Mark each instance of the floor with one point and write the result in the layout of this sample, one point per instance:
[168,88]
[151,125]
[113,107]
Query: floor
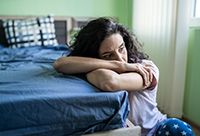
[195,127]
[197,132]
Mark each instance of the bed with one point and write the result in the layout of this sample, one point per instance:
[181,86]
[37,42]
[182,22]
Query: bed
[36,100]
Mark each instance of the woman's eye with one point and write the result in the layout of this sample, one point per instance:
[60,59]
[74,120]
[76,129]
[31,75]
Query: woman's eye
[121,49]
[107,56]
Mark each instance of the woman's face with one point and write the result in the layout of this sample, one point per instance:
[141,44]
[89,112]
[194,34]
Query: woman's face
[113,48]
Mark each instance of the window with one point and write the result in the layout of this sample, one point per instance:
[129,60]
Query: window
[196,10]
[195,14]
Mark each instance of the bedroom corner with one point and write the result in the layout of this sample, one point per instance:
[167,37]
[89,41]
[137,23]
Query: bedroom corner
[169,36]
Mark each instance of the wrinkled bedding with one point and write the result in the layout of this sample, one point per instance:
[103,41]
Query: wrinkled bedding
[36,100]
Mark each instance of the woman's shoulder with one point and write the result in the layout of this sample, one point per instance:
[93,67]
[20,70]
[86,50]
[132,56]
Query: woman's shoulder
[149,63]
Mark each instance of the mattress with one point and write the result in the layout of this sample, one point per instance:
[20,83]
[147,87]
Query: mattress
[36,100]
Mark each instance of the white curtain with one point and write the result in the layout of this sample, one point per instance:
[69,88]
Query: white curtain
[155,22]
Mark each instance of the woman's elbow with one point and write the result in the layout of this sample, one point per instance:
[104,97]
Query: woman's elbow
[57,65]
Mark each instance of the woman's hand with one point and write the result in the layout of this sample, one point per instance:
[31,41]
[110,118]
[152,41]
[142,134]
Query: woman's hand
[143,70]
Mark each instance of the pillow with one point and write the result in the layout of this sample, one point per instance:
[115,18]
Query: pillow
[30,32]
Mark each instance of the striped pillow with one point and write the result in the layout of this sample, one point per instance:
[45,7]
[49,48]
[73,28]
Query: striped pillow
[30,32]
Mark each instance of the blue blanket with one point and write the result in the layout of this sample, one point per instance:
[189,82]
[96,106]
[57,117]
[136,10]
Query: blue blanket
[36,100]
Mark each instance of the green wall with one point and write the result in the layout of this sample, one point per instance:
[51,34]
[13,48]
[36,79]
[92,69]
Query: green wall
[77,8]
[192,87]
[122,9]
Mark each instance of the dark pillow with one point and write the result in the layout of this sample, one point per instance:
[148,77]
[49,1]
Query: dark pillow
[30,32]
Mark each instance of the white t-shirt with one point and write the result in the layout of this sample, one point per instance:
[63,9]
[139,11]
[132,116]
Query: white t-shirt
[143,106]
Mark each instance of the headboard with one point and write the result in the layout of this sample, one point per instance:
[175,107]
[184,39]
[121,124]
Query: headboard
[63,27]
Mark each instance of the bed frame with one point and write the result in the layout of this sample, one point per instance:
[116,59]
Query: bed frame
[131,130]
[64,25]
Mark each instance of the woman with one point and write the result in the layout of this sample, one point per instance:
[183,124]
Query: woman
[112,60]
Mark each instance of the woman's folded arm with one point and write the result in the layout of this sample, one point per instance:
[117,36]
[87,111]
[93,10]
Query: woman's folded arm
[75,65]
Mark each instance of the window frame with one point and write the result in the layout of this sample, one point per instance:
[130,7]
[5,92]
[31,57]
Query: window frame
[195,15]
[194,20]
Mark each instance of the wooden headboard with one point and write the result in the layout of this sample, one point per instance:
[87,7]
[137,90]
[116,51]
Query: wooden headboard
[63,27]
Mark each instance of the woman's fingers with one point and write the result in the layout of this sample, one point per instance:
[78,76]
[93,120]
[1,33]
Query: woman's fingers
[143,73]
[150,73]
[146,73]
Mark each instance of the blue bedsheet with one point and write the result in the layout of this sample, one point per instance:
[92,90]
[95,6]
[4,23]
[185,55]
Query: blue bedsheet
[36,100]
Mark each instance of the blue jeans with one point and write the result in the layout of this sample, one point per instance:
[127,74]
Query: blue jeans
[173,127]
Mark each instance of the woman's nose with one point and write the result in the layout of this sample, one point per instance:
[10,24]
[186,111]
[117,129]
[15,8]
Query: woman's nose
[119,57]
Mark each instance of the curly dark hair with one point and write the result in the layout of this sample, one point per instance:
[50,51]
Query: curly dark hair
[88,39]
